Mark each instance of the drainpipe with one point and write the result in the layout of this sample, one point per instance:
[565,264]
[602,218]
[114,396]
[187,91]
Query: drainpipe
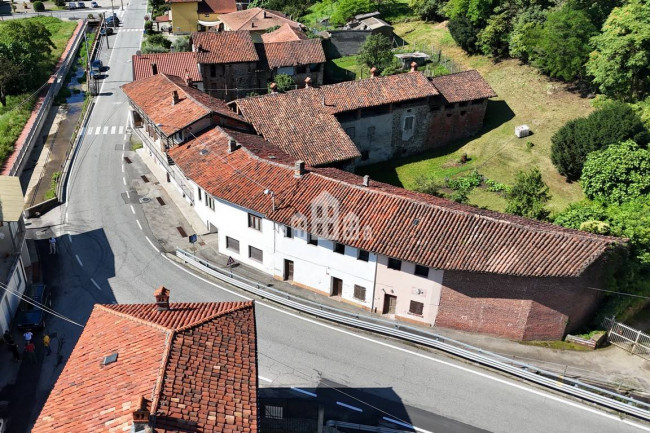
[374,287]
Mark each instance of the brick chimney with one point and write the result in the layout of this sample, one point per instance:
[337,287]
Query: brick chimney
[366,180]
[253,23]
[274,88]
[232,145]
[265,16]
[188,80]
[299,169]
[162,298]
[373,71]
[307,83]
[175,99]
[414,67]
[141,417]
[200,48]
[154,69]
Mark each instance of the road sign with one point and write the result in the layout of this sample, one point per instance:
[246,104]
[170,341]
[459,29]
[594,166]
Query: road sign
[231,261]
[193,238]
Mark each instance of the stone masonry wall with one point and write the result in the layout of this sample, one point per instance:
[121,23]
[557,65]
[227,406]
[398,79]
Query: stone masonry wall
[454,122]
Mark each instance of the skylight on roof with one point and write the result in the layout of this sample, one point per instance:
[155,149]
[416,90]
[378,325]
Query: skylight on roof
[110,359]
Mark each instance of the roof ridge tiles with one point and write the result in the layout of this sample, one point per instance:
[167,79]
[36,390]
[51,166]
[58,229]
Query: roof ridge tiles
[241,305]
[107,307]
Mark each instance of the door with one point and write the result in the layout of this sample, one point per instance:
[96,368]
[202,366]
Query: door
[288,270]
[337,286]
[390,302]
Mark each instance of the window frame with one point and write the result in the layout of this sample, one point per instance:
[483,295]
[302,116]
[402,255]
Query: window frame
[250,254]
[288,232]
[354,294]
[254,222]
[367,254]
[339,248]
[421,274]
[416,304]
[406,121]
[395,264]
[312,240]
[228,247]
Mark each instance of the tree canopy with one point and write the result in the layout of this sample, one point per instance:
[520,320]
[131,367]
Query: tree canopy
[347,9]
[376,51]
[528,196]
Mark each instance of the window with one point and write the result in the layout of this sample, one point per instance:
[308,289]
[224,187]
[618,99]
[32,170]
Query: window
[301,69]
[288,232]
[199,193]
[421,271]
[408,123]
[312,240]
[462,113]
[339,248]
[232,244]
[273,412]
[213,70]
[254,222]
[395,264]
[371,133]
[255,254]
[416,308]
[209,201]
[350,131]
[363,255]
[365,154]
[359,292]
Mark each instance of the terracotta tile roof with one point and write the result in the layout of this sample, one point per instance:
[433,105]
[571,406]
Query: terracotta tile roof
[214,343]
[153,95]
[402,224]
[217,6]
[256,19]
[285,33]
[224,47]
[463,86]
[294,53]
[162,18]
[178,64]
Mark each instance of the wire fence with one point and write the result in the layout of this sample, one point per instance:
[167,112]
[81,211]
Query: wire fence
[437,63]
[627,338]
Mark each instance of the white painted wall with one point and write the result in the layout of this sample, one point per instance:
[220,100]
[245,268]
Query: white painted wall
[407,287]
[9,303]
[314,266]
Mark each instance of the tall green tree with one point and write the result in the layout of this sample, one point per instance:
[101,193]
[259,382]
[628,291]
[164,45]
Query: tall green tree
[529,195]
[620,62]
[347,9]
[376,51]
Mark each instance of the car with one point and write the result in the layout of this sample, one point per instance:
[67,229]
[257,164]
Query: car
[81,5]
[112,20]
[72,5]
[94,5]
[96,67]
[30,317]
[106,31]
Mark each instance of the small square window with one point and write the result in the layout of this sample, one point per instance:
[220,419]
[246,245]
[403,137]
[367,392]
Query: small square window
[312,240]
[371,133]
[421,271]
[395,264]
[363,255]
[288,232]
[408,123]
[232,244]
[339,248]
[359,292]
[255,254]
[199,194]
[416,308]
[254,222]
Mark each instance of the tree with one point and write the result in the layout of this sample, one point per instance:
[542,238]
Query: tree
[39,6]
[528,196]
[493,39]
[182,44]
[464,33]
[613,123]
[620,62]
[524,22]
[376,51]
[284,83]
[347,9]
[560,46]
[428,10]
[618,173]
[476,12]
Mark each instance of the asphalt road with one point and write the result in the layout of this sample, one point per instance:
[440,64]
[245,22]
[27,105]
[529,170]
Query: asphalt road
[109,255]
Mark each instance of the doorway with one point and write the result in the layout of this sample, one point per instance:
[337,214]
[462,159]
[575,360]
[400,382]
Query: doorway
[288,270]
[390,302]
[337,287]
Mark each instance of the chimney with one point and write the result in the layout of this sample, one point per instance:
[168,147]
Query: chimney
[174,97]
[265,16]
[188,80]
[373,70]
[253,23]
[307,83]
[154,69]
[366,180]
[414,67]
[299,169]
[162,298]
[141,417]
[200,48]
[274,88]
[232,145]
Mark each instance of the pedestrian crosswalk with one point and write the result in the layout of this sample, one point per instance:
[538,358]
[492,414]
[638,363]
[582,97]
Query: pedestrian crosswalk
[105,130]
[129,30]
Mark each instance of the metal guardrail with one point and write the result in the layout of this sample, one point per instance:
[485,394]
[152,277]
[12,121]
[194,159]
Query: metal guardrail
[521,370]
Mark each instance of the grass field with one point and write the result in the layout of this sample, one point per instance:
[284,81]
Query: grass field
[14,116]
[525,97]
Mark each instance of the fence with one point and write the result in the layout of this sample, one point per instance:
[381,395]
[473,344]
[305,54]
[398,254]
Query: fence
[439,63]
[397,330]
[630,339]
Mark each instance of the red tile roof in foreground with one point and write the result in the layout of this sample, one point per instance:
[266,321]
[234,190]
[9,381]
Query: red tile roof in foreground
[224,47]
[256,19]
[406,225]
[212,343]
[294,53]
[153,95]
[178,64]
[285,33]
[463,86]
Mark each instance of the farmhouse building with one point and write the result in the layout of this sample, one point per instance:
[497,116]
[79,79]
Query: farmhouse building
[189,16]
[129,370]
[256,21]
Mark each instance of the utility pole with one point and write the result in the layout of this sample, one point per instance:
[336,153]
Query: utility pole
[108,47]
[113,14]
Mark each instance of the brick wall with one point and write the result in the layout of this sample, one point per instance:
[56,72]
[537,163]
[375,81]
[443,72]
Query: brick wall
[455,121]
[520,308]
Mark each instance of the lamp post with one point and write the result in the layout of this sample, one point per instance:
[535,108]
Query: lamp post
[113,13]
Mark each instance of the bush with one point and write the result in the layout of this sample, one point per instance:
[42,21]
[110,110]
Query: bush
[493,39]
[394,68]
[182,44]
[427,185]
[39,6]
[152,49]
[159,40]
[347,9]
[528,196]
[284,83]
[613,123]
[464,33]
[59,3]
[428,10]
[148,27]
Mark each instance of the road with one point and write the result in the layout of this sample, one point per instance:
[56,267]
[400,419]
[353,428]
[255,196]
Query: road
[109,255]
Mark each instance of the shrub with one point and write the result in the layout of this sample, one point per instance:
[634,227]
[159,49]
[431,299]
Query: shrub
[428,10]
[59,3]
[284,83]
[39,6]
[528,196]
[394,68]
[148,27]
[347,9]
[464,33]
[159,40]
[152,49]
[182,44]
[427,185]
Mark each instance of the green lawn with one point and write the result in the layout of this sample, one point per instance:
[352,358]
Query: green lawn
[525,97]
[392,11]
[14,116]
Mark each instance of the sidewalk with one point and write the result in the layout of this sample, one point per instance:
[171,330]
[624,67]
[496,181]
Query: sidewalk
[611,366]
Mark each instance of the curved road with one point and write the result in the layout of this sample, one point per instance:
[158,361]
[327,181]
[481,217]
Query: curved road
[108,257]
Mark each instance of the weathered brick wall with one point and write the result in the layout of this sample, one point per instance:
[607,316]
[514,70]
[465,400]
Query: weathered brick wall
[233,80]
[520,308]
[454,122]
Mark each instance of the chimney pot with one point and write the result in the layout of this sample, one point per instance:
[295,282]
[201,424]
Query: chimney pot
[232,145]
[307,82]
[154,69]
[273,87]
[373,71]
[174,97]
[141,416]
[162,298]
[366,180]
[299,169]
[414,66]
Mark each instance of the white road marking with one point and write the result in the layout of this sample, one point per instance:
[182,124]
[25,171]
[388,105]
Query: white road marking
[122,168]
[70,237]
[113,129]
[125,137]
[139,225]
[98,130]
[121,130]
[128,195]
[151,243]
[124,180]
[350,406]
[132,210]
[420,355]
[302,391]
[265,379]
[105,130]
[95,283]
[79,260]
[122,155]
[89,131]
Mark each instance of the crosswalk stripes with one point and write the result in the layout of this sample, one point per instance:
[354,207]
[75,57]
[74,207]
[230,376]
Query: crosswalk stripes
[129,30]
[105,130]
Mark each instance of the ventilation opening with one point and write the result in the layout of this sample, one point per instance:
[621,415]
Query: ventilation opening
[181,231]
[110,359]
[144,178]
[161,201]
